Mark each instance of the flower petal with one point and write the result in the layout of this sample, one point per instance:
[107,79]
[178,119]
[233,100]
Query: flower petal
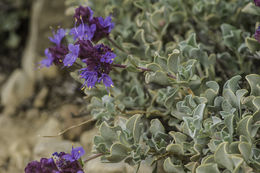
[58,36]
[71,57]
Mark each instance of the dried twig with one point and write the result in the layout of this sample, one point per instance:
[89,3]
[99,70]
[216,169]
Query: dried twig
[71,127]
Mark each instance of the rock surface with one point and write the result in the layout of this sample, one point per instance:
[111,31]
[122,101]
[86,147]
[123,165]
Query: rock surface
[86,139]
[96,166]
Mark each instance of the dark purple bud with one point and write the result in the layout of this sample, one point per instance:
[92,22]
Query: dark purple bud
[257,3]
[48,165]
[83,14]
[86,49]
[33,166]
[58,53]
[44,166]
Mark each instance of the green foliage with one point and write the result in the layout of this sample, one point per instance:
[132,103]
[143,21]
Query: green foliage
[192,110]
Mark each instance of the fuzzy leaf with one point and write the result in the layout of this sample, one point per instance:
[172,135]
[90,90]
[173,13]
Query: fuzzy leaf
[158,77]
[245,149]
[251,8]
[156,127]
[252,44]
[244,126]
[117,152]
[173,61]
[254,82]
[208,168]
[108,133]
[222,157]
[169,167]
[175,149]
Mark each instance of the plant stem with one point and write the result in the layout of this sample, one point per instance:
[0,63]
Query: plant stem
[116,45]
[138,167]
[143,69]
[124,66]
[93,157]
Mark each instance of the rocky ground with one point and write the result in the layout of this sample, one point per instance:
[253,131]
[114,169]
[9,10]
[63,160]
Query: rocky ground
[38,102]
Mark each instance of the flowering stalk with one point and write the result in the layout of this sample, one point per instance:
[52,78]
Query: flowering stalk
[124,66]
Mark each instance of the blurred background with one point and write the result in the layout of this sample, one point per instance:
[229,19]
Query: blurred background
[36,102]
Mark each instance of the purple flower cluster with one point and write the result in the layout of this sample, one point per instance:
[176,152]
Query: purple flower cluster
[60,163]
[98,58]
[257,3]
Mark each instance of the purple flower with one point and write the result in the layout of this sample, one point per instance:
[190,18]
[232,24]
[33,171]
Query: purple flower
[257,34]
[108,57]
[98,59]
[83,13]
[106,23]
[83,32]
[103,27]
[75,155]
[47,62]
[84,18]
[257,3]
[91,77]
[58,37]
[71,57]
[107,81]
[64,165]
[57,53]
